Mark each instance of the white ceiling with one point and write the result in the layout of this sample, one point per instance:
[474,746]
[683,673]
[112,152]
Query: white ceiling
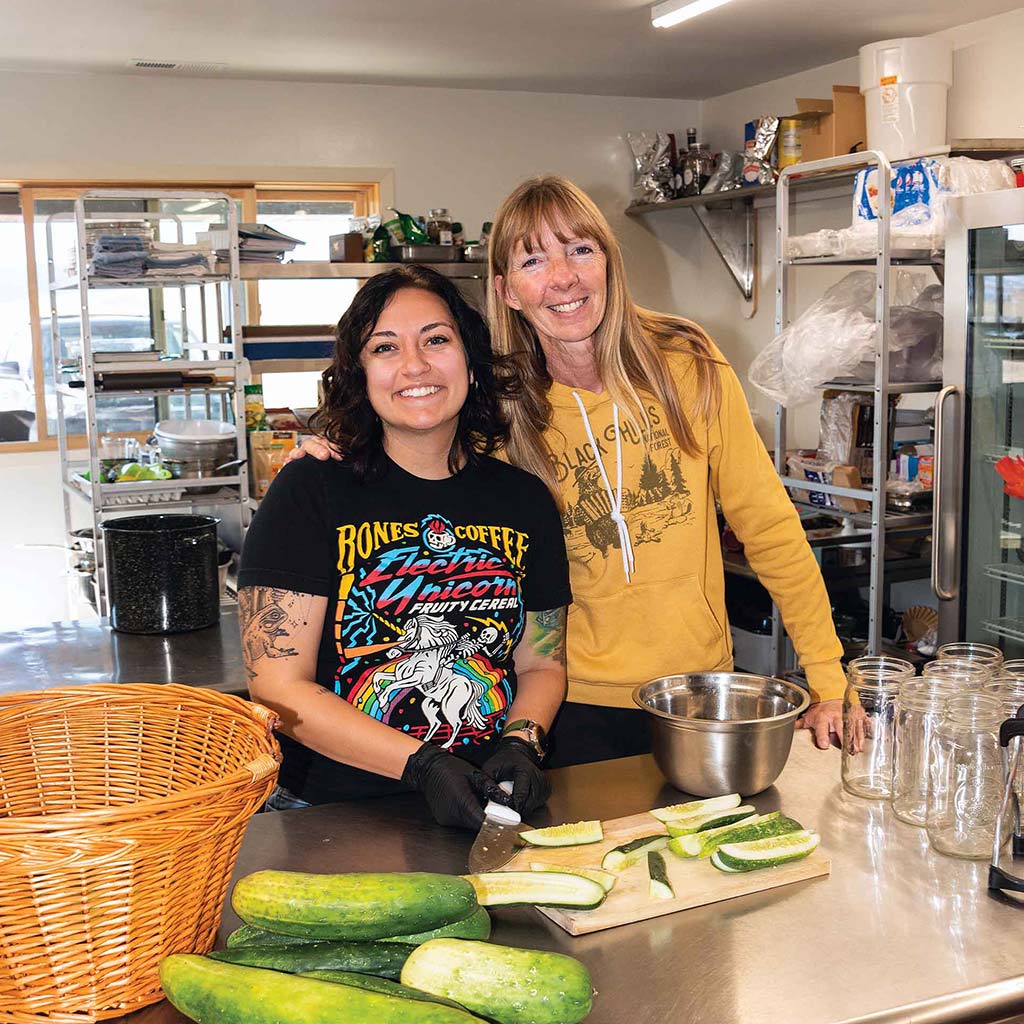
[602,47]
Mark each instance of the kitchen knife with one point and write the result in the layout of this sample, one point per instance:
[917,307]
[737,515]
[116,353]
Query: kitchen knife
[495,844]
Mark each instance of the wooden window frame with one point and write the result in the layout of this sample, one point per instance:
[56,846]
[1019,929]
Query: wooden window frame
[365,196]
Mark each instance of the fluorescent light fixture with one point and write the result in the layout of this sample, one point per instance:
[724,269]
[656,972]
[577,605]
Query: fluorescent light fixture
[672,12]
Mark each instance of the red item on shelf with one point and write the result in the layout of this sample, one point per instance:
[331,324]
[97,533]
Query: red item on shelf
[1011,469]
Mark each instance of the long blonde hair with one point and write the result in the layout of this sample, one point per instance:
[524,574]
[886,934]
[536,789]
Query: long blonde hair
[630,343]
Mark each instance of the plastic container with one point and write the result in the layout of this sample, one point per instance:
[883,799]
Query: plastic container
[905,83]
[163,573]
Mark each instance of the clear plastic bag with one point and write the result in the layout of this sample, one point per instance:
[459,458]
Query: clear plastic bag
[836,338]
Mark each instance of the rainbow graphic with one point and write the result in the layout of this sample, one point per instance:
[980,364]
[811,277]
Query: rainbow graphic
[494,701]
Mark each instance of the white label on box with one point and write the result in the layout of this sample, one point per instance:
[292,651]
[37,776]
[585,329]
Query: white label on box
[1013,371]
[890,99]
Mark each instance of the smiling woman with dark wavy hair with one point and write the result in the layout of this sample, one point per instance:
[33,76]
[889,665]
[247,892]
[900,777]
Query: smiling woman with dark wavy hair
[345,415]
[403,607]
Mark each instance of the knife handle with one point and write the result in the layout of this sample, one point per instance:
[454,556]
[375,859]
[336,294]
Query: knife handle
[500,811]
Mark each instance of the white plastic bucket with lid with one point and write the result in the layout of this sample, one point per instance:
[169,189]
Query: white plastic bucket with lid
[905,83]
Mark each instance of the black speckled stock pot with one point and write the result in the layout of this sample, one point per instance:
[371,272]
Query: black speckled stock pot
[163,573]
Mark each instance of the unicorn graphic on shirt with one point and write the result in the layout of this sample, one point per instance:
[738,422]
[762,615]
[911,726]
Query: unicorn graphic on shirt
[428,650]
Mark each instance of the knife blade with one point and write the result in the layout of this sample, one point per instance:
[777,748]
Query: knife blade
[495,844]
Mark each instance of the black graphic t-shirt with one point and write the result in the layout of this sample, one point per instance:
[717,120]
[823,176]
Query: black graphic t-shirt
[428,583]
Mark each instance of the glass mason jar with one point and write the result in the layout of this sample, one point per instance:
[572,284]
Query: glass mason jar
[984,654]
[1008,690]
[869,718]
[919,708]
[1014,667]
[967,779]
[962,672]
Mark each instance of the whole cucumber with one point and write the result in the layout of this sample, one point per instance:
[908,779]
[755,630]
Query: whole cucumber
[384,959]
[358,905]
[476,926]
[206,990]
[375,984]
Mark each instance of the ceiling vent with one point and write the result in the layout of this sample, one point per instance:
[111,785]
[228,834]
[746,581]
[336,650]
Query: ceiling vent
[189,67]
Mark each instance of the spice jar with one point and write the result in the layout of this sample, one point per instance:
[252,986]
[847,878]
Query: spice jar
[919,708]
[869,717]
[965,788]
[439,226]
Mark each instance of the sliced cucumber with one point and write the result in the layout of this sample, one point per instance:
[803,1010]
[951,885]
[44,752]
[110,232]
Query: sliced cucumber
[690,845]
[717,861]
[714,803]
[539,889]
[768,853]
[620,857]
[659,887]
[746,832]
[605,879]
[703,822]
[578,833]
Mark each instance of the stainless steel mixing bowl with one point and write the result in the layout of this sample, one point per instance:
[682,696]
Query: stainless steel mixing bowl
[721,732]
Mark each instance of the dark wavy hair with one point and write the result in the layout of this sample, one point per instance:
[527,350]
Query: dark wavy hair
[345,415]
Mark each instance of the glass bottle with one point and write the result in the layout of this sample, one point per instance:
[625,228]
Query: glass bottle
[985,654]
[705,165]
[965,787]
[439,226]
[869,718]
[919,708]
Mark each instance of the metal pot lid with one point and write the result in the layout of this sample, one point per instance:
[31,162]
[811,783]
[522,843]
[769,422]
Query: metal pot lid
[195,431]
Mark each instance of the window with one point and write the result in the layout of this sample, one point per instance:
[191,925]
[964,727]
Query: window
[17,366]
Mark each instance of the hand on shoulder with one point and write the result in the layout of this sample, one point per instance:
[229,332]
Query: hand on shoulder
[317,446]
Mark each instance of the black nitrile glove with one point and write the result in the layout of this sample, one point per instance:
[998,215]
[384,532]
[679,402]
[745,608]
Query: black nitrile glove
[519,763]
[455,790]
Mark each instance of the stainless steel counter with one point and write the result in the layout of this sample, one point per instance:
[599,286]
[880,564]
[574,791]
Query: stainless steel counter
[895,934]
[71,653]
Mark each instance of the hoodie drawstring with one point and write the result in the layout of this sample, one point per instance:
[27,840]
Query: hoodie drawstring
[614,496]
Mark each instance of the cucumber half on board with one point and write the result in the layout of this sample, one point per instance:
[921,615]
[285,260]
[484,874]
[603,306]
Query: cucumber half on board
[536,888]
[659,887]
[620,857]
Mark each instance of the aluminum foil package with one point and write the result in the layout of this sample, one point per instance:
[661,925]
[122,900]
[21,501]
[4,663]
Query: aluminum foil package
[757,165]
[652,167]
[728,173]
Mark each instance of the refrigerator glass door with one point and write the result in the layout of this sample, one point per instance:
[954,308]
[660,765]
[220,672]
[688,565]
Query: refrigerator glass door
[993,535]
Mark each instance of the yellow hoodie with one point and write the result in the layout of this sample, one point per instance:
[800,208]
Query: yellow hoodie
[670,616]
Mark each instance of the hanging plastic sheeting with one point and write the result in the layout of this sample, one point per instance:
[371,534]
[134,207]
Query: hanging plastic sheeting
[835,338]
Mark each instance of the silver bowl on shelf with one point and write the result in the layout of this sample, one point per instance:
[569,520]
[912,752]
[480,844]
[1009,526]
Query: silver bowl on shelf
[721,732]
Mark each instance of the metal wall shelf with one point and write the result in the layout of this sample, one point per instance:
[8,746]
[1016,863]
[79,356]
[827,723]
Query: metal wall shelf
[306,269]
[894,388]
[172,281]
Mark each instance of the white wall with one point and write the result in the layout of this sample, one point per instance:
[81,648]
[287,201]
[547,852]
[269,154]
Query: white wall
[464,149]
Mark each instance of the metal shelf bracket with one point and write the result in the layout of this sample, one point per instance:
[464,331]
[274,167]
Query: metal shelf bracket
[733,232]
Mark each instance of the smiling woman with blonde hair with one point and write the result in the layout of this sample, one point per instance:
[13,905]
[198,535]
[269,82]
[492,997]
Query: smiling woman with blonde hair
[638,425]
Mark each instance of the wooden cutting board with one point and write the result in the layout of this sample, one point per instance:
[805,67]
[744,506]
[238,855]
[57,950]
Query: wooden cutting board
[695,882]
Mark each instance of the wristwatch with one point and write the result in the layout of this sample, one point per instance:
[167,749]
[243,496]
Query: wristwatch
[535,736]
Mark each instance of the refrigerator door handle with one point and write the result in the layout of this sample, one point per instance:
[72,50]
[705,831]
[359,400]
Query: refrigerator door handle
[946,504]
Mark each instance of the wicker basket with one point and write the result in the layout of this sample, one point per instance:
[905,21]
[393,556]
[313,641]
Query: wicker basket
[122,808]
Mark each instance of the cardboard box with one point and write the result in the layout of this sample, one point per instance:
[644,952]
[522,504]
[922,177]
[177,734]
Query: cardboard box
[849,476]
[268,452]
[832,127]
[347,248]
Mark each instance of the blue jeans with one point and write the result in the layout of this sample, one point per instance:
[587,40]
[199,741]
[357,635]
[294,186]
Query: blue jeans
[281,799]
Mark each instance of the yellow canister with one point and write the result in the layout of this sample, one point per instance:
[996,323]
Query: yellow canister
[790,145]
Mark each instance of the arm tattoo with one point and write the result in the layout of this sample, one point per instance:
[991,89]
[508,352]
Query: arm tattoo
[269,616]
[547,633]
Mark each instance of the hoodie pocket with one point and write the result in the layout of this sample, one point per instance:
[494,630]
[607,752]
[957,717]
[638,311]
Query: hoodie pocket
[644,631]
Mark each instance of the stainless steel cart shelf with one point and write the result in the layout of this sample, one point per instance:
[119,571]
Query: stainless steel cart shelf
[220,300]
